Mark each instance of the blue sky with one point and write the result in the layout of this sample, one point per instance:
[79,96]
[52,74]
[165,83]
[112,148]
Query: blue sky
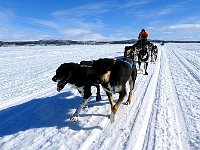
[99,20]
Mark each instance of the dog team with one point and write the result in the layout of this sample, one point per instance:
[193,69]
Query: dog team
[111,74]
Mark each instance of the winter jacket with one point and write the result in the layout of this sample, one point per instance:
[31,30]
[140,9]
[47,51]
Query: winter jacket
[143,35]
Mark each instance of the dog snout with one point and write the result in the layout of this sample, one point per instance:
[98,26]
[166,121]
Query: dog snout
[54,79]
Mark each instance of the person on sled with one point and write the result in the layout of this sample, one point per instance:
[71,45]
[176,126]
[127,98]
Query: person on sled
[142,37]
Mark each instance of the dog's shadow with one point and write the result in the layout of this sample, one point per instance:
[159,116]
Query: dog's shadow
[52,111]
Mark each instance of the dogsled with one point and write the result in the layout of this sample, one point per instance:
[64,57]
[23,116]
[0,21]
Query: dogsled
[141,52]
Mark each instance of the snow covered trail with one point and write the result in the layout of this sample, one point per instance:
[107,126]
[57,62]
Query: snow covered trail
[186,76]
[164,113]
[165,128]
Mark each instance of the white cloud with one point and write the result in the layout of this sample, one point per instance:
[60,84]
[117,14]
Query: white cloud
[82,34]
[173,8]
[132,3]
[185,26]
[85,10]
[96,9]
[47,23]
[167,32]
[166,11]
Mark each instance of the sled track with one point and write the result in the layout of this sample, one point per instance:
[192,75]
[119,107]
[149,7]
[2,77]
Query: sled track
[166,118]
[102,140]
[140,125]
[128,118]
[191,68]
[185,113]
[181,122]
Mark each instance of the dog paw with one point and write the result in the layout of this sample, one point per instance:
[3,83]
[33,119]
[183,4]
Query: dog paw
[145,73]
[74,119]
[85,106]
[112,117]
[126,103]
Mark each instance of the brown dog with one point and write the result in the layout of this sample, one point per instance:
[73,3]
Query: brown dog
[112,75]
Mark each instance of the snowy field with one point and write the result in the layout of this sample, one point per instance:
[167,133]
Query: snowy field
[164,114]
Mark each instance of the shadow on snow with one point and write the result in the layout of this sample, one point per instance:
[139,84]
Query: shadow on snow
[52,111]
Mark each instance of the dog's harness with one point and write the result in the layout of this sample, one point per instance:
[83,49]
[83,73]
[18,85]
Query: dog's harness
[130,64]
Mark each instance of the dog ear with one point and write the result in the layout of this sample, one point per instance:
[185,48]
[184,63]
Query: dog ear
[111,62]
[94,63]
[67,67]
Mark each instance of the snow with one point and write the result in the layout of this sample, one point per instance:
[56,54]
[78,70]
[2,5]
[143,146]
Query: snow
[164,113]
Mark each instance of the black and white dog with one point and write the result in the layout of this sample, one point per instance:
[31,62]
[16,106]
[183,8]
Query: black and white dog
[129,51]
[82,77]
[112,75]
[154,53]
[143,57]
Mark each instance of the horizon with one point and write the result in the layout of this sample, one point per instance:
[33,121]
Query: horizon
[97,41]
[94,20]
